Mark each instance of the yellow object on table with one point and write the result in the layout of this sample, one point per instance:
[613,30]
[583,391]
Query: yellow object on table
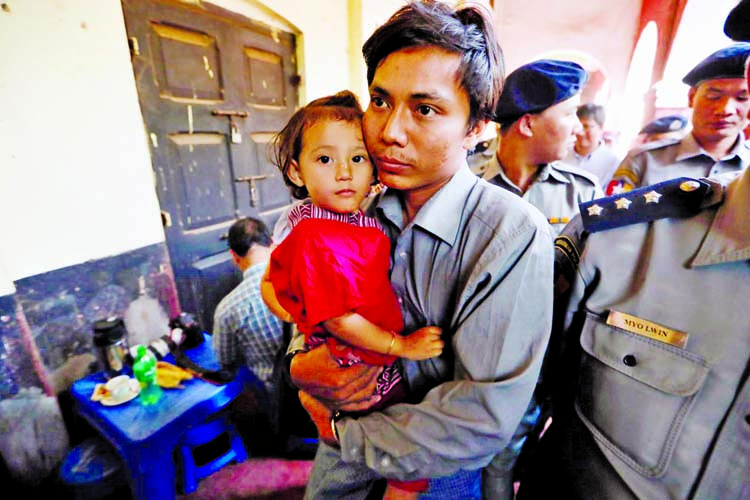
[170,376]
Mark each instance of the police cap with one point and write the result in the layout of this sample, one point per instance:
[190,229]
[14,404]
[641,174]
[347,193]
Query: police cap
[737,25]
[536,86]
[665,124]
[728,62]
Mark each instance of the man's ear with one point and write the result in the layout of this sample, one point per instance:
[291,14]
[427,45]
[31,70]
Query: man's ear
[526,125]
[294,174]
[691,96]
[472,137]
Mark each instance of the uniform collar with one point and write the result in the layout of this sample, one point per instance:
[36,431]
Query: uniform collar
[494,168]
[440,215]
[689,148]
[728,238]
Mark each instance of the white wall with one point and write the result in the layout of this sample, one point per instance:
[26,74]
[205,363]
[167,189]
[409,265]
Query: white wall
[76,175]
[77,182]
[688,49]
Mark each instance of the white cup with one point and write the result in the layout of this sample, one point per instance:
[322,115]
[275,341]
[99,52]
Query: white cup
[118,387]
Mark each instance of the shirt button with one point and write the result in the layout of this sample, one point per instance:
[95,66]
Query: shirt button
[629,360]
[354,450]
[385,461]
[402,255]
[400,300]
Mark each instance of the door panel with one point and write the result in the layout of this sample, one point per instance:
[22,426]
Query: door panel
[213,88]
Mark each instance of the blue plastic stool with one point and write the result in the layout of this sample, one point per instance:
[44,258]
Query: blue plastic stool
[199,447]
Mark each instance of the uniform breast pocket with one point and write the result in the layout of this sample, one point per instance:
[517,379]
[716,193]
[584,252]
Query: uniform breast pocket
[634,393]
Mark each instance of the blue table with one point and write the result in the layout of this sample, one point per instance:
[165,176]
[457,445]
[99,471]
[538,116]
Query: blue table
[146,436]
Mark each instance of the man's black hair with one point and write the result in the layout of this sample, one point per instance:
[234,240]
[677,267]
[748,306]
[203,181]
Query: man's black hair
[591,110]
[466,31]
[248,232]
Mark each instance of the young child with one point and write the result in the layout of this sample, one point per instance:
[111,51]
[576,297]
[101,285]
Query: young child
[330,274]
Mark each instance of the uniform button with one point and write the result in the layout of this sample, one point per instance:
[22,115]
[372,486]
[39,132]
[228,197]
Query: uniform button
[400,300]
[385,462]
[402,255]
[629,360]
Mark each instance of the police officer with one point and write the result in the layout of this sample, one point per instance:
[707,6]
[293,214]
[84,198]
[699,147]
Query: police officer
[719,97]
[652,398]
[538,123]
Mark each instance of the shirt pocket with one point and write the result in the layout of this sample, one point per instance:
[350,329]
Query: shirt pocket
[635,393]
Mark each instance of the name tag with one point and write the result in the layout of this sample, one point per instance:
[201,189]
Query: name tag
[648,329]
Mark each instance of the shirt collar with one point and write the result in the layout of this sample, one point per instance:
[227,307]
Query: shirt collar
[549,170]
[728,238]
[689,148]
[439,214]
[588,156]
[258,268]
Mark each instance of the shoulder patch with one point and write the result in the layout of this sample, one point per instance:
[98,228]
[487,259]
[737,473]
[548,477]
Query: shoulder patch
[680,197]
[568,248]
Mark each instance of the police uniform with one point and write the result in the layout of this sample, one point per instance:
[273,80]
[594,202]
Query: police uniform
[481,155]
[662,160]
[659,161]
[556,191]
[557,188]
[652,395]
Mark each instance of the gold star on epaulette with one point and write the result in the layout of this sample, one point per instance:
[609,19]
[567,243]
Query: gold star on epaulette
[623,204]
[652,197]
[595,210]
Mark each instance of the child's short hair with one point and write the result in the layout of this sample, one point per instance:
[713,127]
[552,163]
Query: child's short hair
[287,144]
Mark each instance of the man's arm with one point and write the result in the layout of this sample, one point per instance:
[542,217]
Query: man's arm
[499,342]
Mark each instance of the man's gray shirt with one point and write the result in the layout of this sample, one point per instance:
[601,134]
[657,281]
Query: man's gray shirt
[476,261]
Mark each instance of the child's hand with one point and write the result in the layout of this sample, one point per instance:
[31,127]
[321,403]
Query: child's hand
[424,343]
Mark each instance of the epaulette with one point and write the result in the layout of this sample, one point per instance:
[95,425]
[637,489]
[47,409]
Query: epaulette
[577,171]
[680,197]
[651,145]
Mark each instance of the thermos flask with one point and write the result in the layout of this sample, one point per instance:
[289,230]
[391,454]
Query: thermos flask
[111,343]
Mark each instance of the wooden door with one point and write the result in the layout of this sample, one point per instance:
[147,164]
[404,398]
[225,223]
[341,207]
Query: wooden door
[213,88]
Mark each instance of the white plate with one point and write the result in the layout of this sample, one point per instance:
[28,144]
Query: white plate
[133,391]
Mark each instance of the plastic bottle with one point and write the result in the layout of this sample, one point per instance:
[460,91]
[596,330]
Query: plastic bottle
[144,369]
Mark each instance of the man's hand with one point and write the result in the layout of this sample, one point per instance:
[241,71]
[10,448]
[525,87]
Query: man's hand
[321,417]
[317,373]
